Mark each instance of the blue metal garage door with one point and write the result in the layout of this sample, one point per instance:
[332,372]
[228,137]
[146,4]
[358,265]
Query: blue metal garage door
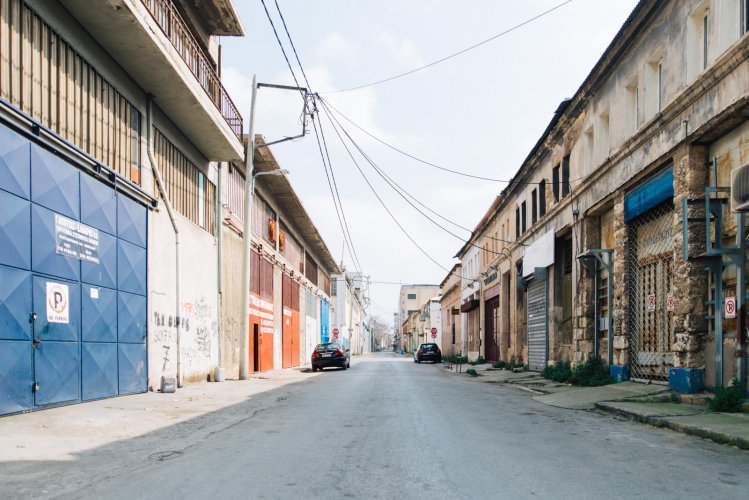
[72,282]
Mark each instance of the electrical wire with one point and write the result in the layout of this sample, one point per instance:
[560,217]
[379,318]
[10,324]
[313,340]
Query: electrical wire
[278,39]
[398,190]
[460,52]
[328,167]
[389,212]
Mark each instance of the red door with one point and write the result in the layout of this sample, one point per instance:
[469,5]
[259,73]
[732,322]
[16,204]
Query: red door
[286,326]
[491,318]
[295,336]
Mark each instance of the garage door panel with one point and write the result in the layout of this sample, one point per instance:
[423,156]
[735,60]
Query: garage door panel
[99,314]
[55,183]
[15,171]
[44,258]
[57,371]
[98,205]
[98,370]
[132,368]
[15,231]
[15,376]
[131,221]
[15,304]
[131,268]
[105,272]
[132,318]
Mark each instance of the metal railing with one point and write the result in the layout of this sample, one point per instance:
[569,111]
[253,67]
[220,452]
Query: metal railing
[174,27]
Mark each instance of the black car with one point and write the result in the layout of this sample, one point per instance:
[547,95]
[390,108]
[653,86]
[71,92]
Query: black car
[428,352]
[330,354]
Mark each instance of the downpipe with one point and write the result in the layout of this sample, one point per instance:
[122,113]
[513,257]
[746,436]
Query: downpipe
[172,218]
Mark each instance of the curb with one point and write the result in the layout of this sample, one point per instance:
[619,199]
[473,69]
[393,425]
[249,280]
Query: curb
[663,422]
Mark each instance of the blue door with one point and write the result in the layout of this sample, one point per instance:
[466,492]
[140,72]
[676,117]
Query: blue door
[70,330]
[56,341]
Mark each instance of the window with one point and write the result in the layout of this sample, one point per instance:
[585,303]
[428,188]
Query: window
[517,222]
[290,248]
[654,84]
[310,268]
[201,199]
[233,192]
[264,220]
[523,217]
[555,182]
[631,103]
[588,142]
[542,198]
[411,296]
[697,40]
[453,333]
[744,16]
[191,193]
[46,78]
[602,152]
[534,206]
[565,176]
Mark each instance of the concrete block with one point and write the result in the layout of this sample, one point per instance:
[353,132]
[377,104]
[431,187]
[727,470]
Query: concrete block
[620,373]
[168,384]
[686,380]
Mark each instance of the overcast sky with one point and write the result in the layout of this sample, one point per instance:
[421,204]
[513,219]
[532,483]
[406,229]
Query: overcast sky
[480,112]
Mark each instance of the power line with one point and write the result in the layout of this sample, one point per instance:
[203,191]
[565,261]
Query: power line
[404,153]
[278,39]
[389,212]
[398,190]
[337,196]
[348,241]
[401,75]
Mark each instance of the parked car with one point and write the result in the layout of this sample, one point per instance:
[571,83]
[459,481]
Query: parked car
[330,354]
[428,352]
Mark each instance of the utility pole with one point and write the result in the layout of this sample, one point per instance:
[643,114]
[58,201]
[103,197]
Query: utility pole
[244,340]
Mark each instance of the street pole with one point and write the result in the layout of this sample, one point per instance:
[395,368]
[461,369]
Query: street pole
[244,342]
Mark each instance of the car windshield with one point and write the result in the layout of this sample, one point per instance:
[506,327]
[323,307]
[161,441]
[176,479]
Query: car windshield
[428,347]
[329,345]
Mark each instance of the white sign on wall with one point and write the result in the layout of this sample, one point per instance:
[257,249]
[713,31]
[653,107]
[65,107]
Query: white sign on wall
[58,310]
[540,253]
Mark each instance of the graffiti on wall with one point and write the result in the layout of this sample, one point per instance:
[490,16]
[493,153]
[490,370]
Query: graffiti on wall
[196,325]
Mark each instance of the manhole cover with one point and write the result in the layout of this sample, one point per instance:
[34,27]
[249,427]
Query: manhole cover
[162,456]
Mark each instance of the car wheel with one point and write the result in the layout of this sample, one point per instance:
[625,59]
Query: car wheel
[343,366]
[348,365]
[314,368]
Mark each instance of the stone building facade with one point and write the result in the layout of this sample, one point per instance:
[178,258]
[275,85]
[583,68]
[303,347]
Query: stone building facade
[607,214]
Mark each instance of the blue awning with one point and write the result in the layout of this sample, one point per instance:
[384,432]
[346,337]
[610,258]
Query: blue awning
[650,194]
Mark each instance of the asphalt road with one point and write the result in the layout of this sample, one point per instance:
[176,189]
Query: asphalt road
[389,428]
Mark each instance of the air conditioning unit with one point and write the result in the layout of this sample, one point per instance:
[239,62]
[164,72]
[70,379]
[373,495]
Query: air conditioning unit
[740,189]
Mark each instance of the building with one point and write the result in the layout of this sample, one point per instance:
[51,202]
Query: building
[122,160]
[450,312]
[411,298]
[114,123]
[290,286]
[610,251]
[349,304]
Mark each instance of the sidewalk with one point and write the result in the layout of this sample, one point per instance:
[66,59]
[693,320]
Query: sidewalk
[647,403]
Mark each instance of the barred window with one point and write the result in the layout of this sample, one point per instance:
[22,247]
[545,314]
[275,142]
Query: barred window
[264,220]
[191,193]
[43,76]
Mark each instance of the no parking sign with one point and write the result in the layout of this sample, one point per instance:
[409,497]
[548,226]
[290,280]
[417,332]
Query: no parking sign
[730,307]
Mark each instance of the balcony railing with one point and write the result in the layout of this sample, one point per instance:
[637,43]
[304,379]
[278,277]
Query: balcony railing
[174,27]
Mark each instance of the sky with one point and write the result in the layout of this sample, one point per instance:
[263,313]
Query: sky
[479,113]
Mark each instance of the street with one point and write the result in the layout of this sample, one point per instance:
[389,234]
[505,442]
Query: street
[389,428]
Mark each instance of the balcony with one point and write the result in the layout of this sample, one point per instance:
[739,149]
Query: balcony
[155,46]
[176,30]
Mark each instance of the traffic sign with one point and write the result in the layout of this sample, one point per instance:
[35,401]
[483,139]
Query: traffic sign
[434,331]
[335,331]
[730,307]
[434,335]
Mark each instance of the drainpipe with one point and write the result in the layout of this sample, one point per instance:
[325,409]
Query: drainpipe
[218,375]
[170,211]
